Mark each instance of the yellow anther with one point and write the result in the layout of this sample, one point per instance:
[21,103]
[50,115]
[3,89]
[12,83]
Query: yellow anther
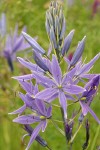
[59,86]
[83,98]
[42,117]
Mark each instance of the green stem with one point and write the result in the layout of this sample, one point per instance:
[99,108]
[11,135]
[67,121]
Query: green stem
[95,138]
[69,145]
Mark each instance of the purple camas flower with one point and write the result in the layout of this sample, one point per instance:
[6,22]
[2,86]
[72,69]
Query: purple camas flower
[13,44]
[87,97]
[40,112]
[53,82]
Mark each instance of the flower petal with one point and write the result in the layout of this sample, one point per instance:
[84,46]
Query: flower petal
[78,52]
[93,114]
[63,102]
[41,106]
[67,42]
[24,77]
[45,80]
[27,86]
[56,71]
[53,97]
[45,94]
[86,109]
[39,61]
[33,43]
[74,89]
[29,65]
[29,119]
[49,112]
[34,134]
[86,68]
[44,125]
[19,111]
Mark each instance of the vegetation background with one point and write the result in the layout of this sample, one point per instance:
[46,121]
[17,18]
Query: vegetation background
[32,14]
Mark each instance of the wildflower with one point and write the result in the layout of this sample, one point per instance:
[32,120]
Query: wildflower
[41,113]
[81,70]
[87,97]
[14,43]
[57,85]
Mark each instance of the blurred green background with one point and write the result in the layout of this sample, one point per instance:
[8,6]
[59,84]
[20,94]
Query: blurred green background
[32,14]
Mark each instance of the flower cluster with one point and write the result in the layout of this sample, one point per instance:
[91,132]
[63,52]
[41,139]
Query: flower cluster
[52,83]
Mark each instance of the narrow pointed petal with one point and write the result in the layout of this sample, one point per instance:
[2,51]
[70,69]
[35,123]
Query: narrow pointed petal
[24,77]
[87,67]
[86,109]
[68,77]
[53,97]
[39,61]
[56,70]
[89,76]
[39,139]
[41,107]
[33,43]
[23,97]
[44,125]
[63,103]
[27,86]
[29,65]
[67,42]
[34,135]
[69,97]
[29,119]
[45,80]
[45,94]
[78,53]
[28,100]
[49,112]
[74,89]
[36,90]
[19,111]
[93,114]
